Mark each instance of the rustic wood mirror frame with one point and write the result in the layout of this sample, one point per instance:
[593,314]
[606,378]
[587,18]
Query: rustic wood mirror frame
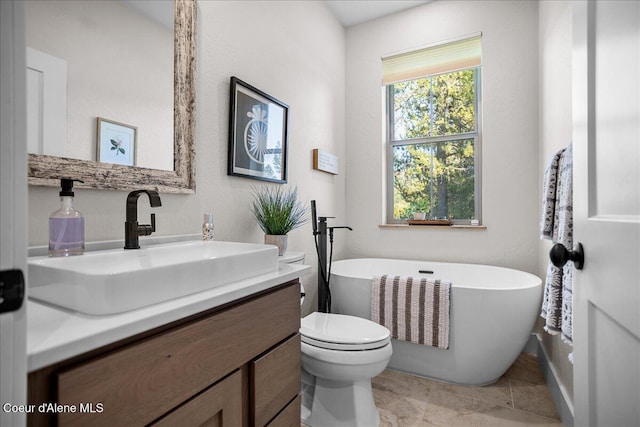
[46,170]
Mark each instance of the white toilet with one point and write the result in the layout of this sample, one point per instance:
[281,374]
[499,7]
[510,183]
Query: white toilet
[340,355]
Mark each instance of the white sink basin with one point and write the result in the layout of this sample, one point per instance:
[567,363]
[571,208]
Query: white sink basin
[118,280]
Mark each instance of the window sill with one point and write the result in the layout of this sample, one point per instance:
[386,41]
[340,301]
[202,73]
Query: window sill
[431,227]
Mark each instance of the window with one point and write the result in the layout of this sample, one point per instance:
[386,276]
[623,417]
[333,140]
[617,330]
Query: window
[434,137]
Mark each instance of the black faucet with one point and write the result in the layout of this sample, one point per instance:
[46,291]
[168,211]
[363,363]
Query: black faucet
[133,230]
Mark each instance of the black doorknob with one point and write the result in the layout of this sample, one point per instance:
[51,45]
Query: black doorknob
[560,255]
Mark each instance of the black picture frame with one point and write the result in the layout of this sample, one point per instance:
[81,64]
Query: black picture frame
[258,134]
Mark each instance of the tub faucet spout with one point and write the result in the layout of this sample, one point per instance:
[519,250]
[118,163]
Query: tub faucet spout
[133,230]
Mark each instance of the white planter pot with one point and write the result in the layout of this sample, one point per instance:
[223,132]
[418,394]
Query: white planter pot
[279,240]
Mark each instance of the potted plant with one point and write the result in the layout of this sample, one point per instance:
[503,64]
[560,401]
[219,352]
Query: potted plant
[278,211]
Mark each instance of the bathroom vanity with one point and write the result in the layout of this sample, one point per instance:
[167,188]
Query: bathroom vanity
[229,356]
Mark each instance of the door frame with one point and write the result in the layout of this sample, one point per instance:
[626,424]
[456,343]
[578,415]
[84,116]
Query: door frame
[13,194]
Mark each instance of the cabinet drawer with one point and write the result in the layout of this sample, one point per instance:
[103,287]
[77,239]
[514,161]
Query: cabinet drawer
[218,406]
[140,382]
[275,380]
[289,417]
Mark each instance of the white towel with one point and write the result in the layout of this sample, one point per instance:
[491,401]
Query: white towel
[414,309]
[557,305]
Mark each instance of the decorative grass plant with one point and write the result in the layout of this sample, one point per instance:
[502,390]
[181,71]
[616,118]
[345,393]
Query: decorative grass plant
[277,209]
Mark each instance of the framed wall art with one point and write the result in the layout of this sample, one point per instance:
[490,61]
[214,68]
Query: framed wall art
[116,142]
[258,144]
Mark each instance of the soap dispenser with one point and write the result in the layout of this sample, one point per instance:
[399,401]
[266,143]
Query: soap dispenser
[66,225]
[207,226]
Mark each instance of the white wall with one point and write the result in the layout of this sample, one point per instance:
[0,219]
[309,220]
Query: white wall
[555,23]
[294,51]
[509,127]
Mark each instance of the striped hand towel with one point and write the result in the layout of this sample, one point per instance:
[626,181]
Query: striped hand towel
[414,309]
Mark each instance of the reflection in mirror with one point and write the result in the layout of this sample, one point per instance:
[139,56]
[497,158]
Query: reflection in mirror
[119,66]
[105,74]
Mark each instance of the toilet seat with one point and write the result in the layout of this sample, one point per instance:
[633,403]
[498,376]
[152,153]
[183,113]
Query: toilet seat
[343,333]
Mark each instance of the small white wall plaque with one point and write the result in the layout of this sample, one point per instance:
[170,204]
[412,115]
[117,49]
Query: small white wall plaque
[325,162]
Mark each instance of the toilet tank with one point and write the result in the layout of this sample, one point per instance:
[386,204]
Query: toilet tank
[291,258]
[294,258]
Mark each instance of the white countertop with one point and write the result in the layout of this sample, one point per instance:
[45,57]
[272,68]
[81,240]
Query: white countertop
[55,334]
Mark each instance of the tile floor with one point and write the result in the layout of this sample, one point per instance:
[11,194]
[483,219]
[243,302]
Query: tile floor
[519,398]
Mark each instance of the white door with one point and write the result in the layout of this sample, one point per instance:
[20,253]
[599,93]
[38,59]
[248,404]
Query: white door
[13,207]
[606,146]
[46,104]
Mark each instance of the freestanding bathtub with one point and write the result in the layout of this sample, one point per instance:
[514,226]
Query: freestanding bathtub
[492,313]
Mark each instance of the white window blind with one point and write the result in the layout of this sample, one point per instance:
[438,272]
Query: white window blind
[446,57]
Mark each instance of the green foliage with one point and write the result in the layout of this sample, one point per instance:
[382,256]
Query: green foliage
[436,177]
[116,145]
[277,209]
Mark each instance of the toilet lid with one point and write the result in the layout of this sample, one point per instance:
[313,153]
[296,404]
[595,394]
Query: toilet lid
[341,332]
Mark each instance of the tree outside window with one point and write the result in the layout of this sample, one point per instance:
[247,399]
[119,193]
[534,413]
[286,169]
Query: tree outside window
[434,142]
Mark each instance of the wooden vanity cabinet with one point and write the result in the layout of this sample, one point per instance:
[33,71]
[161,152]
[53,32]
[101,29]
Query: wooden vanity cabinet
[219,405]
[275,379]
[236,365]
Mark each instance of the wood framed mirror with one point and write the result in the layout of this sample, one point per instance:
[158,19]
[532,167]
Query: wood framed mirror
[44,170]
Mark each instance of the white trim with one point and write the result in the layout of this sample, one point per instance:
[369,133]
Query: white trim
[559,393]
[13,193]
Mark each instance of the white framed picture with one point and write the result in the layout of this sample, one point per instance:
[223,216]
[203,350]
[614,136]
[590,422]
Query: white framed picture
[116,142]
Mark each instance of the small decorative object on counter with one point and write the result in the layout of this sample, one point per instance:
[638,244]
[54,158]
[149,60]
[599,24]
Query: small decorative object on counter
[66,225]
[207,226]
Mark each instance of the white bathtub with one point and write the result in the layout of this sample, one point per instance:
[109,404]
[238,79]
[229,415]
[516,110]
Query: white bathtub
[493,311]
